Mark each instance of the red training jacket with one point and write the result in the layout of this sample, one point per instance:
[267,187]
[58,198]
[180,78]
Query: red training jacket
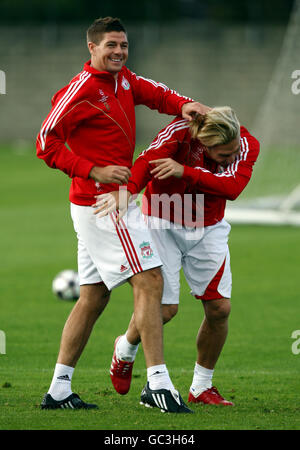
[94,114]
[201,174]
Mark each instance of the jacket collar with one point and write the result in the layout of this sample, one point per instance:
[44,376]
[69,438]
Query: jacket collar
[103,73]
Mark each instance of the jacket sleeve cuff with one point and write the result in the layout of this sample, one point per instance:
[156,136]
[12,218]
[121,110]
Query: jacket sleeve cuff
[82,168]
[132,188]
[183,102]
[190,174]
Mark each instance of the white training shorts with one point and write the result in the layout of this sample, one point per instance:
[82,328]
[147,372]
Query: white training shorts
[204,258]
[109,252]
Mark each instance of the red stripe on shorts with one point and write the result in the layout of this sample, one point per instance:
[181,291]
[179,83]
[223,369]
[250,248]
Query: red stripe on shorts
[211,292]
[128,246]
[131,249]
[132,246]
[133,268]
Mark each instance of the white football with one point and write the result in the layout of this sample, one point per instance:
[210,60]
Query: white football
[66,285]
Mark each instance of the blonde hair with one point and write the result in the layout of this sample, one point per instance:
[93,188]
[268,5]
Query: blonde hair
[219,126]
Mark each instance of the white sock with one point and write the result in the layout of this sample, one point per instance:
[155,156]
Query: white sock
[125,350]
[202,379]
[60,387]
[158,377]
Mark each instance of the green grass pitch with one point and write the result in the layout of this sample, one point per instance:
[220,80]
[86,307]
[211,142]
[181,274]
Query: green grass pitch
[257,368]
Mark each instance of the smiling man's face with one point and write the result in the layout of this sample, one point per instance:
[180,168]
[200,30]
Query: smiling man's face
[111,53]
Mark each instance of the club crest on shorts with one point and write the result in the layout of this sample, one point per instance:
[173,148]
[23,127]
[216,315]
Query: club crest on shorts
[146,250]
[125,84]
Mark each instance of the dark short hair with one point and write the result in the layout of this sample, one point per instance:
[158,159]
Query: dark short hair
[103,25]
